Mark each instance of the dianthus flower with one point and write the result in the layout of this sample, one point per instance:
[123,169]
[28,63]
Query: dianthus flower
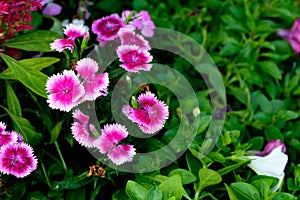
[108,143]
[150,116]
[128,37]
[65,91]
[81,129]
[272,163]
[17,159]
[62,44]
[107,27]
[141,21]
[95,85]
[134,58]
[72,31]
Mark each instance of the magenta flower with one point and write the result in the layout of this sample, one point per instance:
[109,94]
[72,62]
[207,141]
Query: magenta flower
[108,142]
[81,129]
[2,127]
[141,21]
[292,36]
[134,58]
[51,8]
[107,27]
[17,159]
[73,31]
[128,37]
[65,91]
[62,44]
[7,137]
[150,116]
[95,85]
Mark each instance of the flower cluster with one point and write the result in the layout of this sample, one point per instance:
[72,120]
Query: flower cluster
[15,15]
[16,157]
[271,161]
[72,31]
[107,142]
[67,90]
[133,50]
[82,83]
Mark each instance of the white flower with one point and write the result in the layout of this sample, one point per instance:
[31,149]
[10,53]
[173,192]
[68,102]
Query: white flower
[272,164]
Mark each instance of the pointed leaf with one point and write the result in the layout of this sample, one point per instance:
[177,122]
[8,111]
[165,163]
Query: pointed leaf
[32,79]
[55,132]
[24,127]
[135,191]
[34,41]
[209,177]
[12,100]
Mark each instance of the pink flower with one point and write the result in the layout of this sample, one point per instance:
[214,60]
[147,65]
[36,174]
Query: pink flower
[107,27]
[128,37]
[141,21]
[81,129]
[62,44]
[64,91]
[108,142]
[134,58]
[150,116]
[7,137]
[17,159]
[2,127]
[73,31]
[292,36]
[95,85]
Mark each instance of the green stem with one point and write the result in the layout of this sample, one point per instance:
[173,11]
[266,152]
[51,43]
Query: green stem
[61,157]
[45,172]
[198,192]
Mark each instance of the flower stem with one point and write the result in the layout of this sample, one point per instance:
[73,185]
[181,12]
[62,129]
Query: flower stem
[61,157]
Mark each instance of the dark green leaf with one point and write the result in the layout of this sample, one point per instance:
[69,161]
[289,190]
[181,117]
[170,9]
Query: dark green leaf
[32,79]
[270,68]
[245,191]
[186,176]
[12,100]
[34,41]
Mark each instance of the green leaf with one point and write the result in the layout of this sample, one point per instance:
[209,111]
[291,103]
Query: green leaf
[33,63]
[284,196]
[194,164]
[74,182]
[286,115]
[135,191]
[270,68]
[245,191]
[12,100]
[230,168]
[154,194]
[55,132]
[230,193]
[256,142]
[273,133]
[34,41]
[32,79]
[172,187]
[208,177]
[186,176]
[263,117]
[24,127]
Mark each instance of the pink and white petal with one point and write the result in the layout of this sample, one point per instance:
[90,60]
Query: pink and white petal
[121,154]
[62,44]
[87,68]
[80,116]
